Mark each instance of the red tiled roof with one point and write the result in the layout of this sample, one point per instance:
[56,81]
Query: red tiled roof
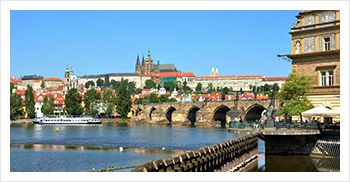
[59,88]
[173,74]
[146,75]
[218,77]
[20,92]
[274,78]
[189,74]
[13,79]
[52,79]
[37,80]
[36,97]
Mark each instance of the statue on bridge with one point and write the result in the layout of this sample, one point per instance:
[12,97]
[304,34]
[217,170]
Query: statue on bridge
[270,111]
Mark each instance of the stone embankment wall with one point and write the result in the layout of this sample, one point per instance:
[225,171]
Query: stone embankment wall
[227,156]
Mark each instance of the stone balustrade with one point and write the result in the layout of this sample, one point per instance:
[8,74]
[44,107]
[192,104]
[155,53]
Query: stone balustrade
[221,157]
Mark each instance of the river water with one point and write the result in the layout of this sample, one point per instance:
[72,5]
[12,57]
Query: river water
[77,148]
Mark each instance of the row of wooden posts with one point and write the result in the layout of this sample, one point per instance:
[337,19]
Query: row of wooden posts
[221,157]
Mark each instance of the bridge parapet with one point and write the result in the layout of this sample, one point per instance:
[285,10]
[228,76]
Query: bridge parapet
[227,156]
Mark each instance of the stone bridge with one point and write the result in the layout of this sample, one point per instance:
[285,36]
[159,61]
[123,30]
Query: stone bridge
[202,112]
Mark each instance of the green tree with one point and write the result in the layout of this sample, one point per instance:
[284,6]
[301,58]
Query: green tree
[100,82]
[115,84]
[199,87]
[275,87]
[47,108]
[73,102]
[172,100]
[184,87]
[164,98]
[131,87]
[87,84]
[42,84]
[293,95]
[241,90]
[210,87]
[29,102]
[123,101]
[92,102]
[108,102]
[250,87]
[16,107]
[138,90]
[153,98]
[266,87]
[225,90]
[149,84]
[170,86]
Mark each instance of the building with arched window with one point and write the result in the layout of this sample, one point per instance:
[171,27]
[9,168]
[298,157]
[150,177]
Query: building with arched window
[316,53]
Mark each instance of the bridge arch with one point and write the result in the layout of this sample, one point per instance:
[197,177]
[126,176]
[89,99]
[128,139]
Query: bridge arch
[191,114]
[254,112]
[169,113]
[137,111]
[150,112]
[219,114]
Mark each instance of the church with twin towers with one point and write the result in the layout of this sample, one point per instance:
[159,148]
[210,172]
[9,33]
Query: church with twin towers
[148,67]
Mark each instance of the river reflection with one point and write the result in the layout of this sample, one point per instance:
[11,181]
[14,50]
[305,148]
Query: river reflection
[295,163]
[77,148]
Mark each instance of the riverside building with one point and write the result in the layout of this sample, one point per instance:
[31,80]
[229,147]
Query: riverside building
[316,53]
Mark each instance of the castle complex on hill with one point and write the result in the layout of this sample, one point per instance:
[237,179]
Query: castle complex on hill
[147,66]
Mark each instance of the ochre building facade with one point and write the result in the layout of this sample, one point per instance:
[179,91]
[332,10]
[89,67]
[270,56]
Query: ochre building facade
[316,53]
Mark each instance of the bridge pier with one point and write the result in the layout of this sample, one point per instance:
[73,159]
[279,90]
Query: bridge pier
[290,144]
[285,141]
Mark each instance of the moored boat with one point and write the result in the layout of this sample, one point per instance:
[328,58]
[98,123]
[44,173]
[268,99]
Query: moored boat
[67,119]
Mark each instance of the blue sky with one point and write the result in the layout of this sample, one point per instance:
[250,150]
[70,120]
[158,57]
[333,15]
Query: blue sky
[237,42]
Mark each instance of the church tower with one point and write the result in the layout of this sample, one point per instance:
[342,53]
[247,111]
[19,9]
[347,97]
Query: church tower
[148,63]
[216,72]
[138,67]
[212,73]
[66,81]
[73,79]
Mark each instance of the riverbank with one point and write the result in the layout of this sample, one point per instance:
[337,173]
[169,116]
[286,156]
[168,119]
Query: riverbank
[131,120]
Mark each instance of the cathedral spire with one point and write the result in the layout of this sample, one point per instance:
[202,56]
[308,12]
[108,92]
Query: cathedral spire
[149,55]
[137,67]
[143,60]
[137,60]
[158,60]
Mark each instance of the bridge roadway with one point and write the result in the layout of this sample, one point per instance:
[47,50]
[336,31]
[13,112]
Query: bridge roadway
[285,141]
[202,112]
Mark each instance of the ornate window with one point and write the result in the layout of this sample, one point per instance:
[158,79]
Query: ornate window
[297,47]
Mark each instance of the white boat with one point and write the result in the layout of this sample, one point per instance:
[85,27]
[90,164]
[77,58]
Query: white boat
[67,119]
